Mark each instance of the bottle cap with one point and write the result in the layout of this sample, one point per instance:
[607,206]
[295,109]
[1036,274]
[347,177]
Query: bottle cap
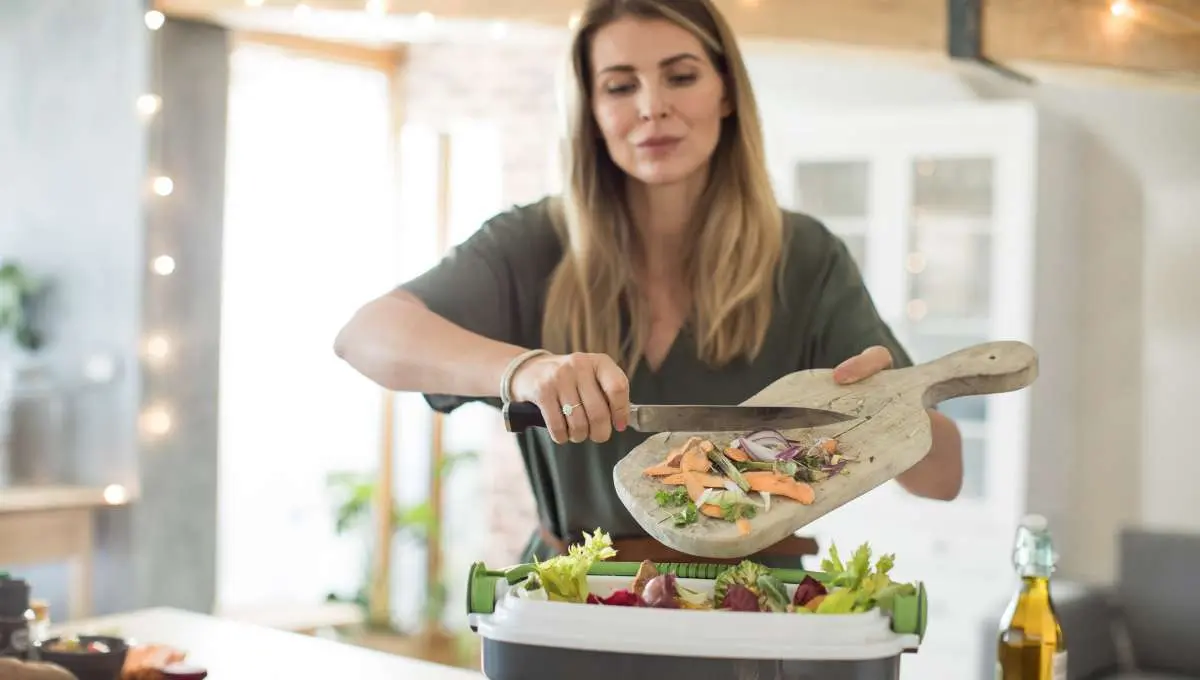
[1034,522]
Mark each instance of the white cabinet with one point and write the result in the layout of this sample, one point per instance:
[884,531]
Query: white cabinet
[962,221]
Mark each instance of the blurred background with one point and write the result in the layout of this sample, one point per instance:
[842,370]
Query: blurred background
[196,194]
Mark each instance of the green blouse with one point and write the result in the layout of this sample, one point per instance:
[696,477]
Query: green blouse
[495,283]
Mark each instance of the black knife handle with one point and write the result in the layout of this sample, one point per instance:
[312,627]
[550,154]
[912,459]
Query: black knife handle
[522,415]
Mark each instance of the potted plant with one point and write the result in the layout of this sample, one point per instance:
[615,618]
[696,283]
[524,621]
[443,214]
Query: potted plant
[17,338]
[355,494]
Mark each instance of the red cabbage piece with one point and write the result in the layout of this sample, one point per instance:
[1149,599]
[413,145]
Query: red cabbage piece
[620,598]
[739,598]
[807,590]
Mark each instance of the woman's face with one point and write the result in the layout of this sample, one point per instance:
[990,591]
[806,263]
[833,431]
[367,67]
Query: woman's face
[657,99]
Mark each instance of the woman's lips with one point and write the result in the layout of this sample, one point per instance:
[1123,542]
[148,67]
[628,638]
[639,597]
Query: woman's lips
[659,145]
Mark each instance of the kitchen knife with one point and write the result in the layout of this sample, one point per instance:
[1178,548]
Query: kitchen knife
[520,416]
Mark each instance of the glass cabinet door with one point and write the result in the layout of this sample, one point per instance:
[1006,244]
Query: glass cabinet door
[836,193]
[948,271]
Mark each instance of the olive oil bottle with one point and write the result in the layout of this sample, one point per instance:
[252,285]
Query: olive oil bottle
[1030,645]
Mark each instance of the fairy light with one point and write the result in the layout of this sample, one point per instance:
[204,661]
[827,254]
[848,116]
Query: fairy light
[157,347]
[377,7]
[116,494]
[149,104]
[156,421]
[1120,8]
[573,22]
[163,185]
[154,19]
[163,265]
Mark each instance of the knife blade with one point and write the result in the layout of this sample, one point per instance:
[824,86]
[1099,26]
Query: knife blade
[520,416]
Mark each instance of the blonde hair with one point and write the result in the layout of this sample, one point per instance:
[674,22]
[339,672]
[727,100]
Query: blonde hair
[737,232]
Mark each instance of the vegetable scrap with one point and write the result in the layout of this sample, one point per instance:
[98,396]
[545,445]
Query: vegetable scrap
[855,586]
[717,482]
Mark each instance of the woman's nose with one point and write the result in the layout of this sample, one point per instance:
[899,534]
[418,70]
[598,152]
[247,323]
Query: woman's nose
[652,104]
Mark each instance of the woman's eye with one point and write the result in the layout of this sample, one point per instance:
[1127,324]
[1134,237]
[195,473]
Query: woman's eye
[619,88]
[683,79]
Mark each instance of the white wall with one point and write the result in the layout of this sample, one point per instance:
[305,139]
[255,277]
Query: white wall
[1140,170]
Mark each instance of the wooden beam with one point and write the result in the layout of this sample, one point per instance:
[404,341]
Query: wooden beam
[1154,36]
[380,59]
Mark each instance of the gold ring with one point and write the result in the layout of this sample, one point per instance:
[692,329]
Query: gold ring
[569,409]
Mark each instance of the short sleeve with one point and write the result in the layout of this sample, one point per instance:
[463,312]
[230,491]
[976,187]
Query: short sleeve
[491,283]
[846,321]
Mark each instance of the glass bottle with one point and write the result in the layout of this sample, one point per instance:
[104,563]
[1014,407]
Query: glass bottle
[1030,644]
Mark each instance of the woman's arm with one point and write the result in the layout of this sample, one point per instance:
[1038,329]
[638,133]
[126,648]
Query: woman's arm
[397,342]
[939,474]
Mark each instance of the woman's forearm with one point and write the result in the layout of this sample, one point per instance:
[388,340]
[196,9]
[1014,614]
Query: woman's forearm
[939,474]
[398,343]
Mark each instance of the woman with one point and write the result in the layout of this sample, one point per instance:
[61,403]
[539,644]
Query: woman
[665,273]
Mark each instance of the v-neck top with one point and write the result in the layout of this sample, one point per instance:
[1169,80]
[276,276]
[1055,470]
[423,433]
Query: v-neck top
[495,283]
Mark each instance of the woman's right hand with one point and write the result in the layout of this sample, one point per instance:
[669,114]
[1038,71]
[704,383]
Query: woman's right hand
[591,383]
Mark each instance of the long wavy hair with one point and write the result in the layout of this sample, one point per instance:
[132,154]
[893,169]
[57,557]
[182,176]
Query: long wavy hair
[735,238]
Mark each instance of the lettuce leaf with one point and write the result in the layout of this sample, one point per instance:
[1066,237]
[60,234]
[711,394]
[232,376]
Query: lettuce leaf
[855,587]
[564,577]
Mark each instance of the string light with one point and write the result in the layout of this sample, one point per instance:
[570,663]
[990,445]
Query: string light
[154,19]
[149,104]
[573,22]
[115,494]
[157,347]
[163,185]
[156,421]
[164,265]
[1120,8]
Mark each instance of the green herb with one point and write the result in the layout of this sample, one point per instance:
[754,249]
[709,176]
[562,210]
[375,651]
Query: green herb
[687,516]
[675,497]
[733,510]
[729,469]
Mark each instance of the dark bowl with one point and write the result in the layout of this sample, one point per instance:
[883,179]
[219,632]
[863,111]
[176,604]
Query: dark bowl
[89,665]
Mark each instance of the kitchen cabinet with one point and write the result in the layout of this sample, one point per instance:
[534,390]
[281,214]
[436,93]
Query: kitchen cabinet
[962,220]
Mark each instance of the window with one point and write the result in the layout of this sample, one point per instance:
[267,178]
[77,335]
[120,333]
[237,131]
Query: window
[309,235]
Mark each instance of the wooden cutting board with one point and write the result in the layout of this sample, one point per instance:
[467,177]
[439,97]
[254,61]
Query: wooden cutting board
[892,435]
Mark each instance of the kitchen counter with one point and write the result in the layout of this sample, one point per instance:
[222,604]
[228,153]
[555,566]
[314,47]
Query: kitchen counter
[233,650]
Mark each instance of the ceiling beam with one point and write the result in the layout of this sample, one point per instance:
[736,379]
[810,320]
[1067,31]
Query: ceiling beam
[1154,37]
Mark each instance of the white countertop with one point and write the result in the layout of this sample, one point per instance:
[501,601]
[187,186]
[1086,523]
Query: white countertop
[232,650]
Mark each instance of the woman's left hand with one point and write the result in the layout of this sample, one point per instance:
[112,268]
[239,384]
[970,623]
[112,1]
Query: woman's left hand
[862,366]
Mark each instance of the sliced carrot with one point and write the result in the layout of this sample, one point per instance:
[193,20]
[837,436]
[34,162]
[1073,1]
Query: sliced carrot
[660,470]
[736,454]
[829,445]
[694,460]
[706,446]
[712,511]
[676,455]
[782,485]
[680,478]
[743,526]
[694,483]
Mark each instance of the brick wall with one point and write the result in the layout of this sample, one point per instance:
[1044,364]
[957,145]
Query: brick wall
[513,85]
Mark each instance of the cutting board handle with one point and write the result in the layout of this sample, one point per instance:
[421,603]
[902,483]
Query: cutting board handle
[988,368]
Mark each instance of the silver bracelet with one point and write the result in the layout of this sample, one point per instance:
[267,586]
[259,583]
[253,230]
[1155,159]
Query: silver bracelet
[506,379]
